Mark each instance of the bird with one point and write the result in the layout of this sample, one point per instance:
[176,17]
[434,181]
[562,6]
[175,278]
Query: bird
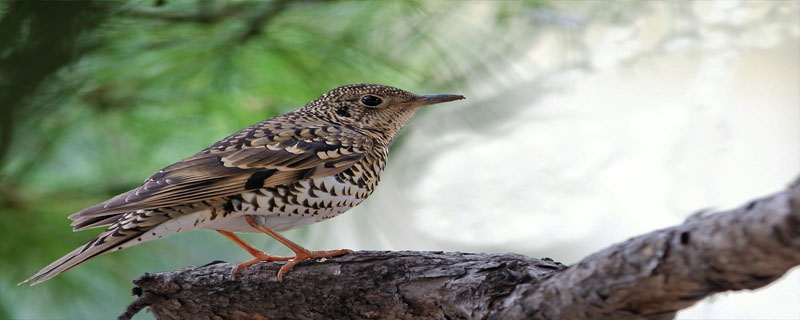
[283,173]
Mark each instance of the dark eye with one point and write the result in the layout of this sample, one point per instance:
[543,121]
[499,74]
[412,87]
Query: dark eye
[371,100]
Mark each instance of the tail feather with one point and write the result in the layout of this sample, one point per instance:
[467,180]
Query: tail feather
[94,222]
[129,229]
[110,240]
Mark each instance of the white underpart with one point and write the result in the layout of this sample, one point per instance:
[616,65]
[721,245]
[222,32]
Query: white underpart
[169,227]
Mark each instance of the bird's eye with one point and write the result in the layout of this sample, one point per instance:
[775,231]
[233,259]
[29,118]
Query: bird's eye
[371,100]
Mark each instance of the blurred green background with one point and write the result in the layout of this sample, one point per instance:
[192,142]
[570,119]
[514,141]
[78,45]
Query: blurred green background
[586,122]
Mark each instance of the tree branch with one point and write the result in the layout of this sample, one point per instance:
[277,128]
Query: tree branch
[257,22]
[648,277]
[203,15]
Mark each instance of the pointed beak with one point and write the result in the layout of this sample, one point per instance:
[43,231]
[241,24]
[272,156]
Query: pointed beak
[439,98]
[429,99]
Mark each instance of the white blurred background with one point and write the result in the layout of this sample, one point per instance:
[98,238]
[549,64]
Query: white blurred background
[613,124]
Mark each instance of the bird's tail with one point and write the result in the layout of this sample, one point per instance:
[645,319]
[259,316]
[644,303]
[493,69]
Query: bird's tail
[127,231]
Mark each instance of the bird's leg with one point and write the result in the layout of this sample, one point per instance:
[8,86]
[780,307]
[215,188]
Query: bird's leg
[258,255]
[301,254]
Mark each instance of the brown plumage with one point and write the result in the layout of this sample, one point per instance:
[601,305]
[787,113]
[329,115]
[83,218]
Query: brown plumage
[282,173]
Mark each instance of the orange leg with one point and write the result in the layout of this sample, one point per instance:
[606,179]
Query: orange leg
[257,254]
[301,254]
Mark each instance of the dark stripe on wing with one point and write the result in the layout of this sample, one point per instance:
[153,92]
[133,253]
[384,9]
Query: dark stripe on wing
[256,180]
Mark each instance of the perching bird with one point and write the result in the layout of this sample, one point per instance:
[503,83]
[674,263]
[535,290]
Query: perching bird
[283,173]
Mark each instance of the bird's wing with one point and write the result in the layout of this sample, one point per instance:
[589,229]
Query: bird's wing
[256,157]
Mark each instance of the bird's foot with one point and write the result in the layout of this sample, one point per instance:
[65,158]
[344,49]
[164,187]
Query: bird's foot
[304,255]
[258,257]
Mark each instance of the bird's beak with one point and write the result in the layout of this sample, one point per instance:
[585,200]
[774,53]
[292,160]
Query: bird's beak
[429,99]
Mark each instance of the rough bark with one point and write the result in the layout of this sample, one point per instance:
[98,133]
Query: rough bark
[651,276]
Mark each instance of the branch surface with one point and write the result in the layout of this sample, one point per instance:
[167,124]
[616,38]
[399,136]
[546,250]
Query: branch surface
[651,276]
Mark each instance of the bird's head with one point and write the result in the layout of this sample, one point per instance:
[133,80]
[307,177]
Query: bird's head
[374,107]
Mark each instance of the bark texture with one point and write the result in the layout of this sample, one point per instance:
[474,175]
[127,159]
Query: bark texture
[651,276]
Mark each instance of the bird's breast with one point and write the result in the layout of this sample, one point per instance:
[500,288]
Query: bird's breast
[301,203]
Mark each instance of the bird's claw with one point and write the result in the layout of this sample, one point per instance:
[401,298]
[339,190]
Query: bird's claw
[292,261]
[259,258]
[309,255]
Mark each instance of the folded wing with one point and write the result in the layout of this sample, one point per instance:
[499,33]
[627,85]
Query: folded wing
[257,157]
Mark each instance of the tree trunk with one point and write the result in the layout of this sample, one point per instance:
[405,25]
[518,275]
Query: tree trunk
[651,276]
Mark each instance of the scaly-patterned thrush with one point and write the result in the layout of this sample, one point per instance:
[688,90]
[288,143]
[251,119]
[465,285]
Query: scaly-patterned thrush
[283,173]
